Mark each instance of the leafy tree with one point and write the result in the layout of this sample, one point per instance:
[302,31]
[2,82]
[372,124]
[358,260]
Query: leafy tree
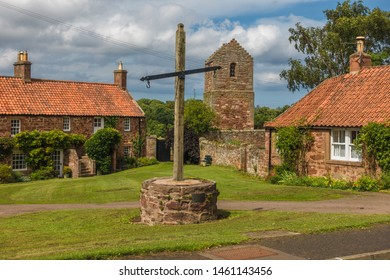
[198,116]
[159,116]
[191,144]
[264,114]
[327,49]
[100,147]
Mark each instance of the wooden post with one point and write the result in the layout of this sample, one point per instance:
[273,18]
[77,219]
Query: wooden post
[178,149]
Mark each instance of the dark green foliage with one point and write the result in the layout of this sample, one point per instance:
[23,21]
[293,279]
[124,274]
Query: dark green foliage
[198,117]
[101,146]
[38,146]
[6,147]
[6,174]
[374,142]
[327,49]
[159,116]
[191,145]
[110,122]
[293,143]
[43,173]
[138,146]
[265,114]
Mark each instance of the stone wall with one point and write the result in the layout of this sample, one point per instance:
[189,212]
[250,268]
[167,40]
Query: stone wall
[255,137]
[245,157]
[165,201]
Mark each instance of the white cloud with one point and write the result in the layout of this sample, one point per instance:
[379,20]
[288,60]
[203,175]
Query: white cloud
[141,34]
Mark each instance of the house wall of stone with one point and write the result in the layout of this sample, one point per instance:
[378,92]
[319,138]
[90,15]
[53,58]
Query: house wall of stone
[318,158]
[79,125]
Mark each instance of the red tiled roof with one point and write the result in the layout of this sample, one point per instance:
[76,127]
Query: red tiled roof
[351,100]
[46,97]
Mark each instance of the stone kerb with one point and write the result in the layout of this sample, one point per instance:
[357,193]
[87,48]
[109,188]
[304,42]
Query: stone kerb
[165,201]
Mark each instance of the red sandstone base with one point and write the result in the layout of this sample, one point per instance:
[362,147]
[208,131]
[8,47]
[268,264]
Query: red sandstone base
[165,201]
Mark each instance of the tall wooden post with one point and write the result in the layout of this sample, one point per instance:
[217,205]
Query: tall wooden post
[178,149]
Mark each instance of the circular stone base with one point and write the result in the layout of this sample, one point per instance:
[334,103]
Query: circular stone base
[166,201]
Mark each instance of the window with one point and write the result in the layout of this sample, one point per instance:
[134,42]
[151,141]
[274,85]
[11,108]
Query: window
[98,123]
[232,69]
[127,124]
[66,124]
[127,151]
[18,162]
[15,127]
[342,143]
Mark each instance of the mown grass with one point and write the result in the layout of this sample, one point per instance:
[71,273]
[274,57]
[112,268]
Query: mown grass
[126,185]
[105,234]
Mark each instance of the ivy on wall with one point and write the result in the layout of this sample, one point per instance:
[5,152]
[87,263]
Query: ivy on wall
[374,143]
[293,143]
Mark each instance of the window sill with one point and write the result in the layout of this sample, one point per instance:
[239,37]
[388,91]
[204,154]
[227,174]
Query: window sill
[346,163]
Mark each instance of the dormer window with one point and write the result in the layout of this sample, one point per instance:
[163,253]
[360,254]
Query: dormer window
[232,69]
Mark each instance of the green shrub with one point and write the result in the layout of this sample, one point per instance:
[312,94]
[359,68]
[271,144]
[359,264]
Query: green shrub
[385,181]
[6,147]
[366,183]
[144,161]
[101,146]
[43,174]
[6,174]
[130,162]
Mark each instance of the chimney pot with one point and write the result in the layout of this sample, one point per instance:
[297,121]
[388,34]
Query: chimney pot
[359,59]
[22,68]
[120,77]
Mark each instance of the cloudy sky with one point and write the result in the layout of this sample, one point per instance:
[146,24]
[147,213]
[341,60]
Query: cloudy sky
[84,40]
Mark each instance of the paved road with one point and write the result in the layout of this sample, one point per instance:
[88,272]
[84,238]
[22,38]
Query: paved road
[362,203]
[371,243]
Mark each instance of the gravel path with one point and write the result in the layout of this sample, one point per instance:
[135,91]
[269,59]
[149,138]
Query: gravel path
[362,203]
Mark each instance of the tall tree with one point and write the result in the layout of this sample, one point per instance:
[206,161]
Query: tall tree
[327,49]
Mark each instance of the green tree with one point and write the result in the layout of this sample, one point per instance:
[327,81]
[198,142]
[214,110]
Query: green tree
[100,147]
[198,116]
[159,115]
[327,49]
[265,114]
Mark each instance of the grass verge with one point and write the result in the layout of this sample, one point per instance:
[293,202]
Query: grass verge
[104,234]
[125,186]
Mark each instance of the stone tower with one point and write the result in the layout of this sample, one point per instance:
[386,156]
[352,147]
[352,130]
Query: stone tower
[229,91]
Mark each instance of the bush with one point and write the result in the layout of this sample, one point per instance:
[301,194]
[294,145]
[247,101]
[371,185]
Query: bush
[385,181]
[130,162]
[43,174]
[101,146]
[144,161]
[366,183]
[6,174]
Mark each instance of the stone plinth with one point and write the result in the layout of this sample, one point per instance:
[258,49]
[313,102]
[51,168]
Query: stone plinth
[165,201]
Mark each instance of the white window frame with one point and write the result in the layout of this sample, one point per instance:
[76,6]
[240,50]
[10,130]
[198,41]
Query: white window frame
[98,123]
[342,140]
[127,151]
[127,124]
[19,162]
[66,125]
[15,127]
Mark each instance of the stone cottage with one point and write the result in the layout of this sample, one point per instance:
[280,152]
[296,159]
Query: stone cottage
[74,107]
[335,111]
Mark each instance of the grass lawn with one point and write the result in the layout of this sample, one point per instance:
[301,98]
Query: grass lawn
[104,234]
[125,186]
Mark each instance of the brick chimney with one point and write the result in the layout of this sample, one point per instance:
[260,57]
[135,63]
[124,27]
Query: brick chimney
[359,59]
[120,77]
[22,67]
